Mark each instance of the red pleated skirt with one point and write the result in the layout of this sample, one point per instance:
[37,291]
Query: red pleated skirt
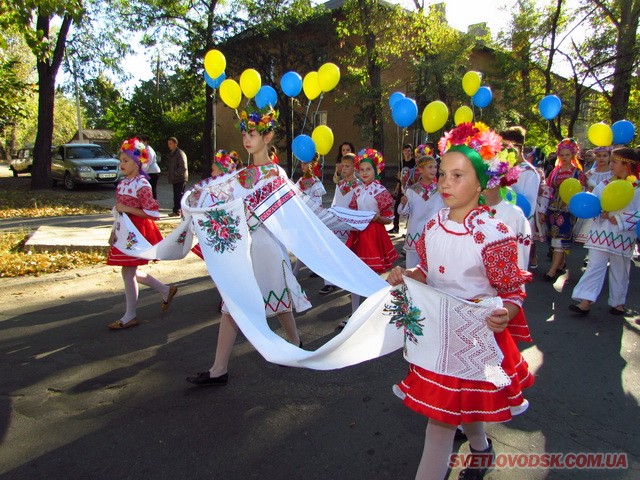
[149,231]
[454,401]
[373,246]
[519,329]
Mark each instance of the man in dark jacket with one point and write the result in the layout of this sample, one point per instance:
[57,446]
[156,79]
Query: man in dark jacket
[178,172]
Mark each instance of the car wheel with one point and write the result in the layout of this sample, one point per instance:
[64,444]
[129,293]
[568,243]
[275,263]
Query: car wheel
[69,183]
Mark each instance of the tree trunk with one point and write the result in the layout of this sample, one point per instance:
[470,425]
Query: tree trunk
[626,54]
[47,72]
[41,169]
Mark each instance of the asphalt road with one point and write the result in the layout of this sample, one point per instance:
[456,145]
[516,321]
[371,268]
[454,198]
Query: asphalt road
[79,401]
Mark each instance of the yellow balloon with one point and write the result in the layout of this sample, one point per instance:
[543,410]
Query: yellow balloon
[214,63]
[230,93]
[471,83]
[463,114]
[600,134]
[617,195]
[568,188]
[311,86]
[632,179]
[328,78]
[322,136]
[250,82]
[434,116]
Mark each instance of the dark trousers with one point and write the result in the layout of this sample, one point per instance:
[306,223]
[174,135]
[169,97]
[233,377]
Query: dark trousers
[396,216]
[153,180]
[178,191]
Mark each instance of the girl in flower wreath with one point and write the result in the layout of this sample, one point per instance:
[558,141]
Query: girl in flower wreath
[611,241]
[420,202]
[281,293]
[467,253]
[372,245]
[135,198]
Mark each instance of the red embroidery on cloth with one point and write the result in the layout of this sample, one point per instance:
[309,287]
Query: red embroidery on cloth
[479,237]
[441,269]
[501,264]
[502,228]
[430,224]
[261,194]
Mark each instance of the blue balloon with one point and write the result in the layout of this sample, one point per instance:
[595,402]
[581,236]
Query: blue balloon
[395,96]
[524,204]
[404,112]
[482,97]
[304,148]
[214,82]
[585,205]
[291,84]
[550,107]
[266,96]
[623,132]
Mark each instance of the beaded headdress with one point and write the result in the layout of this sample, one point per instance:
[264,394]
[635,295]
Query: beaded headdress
[225,161]
[263,120]
[603,149]
[372,156]
[571,145]
[494,165]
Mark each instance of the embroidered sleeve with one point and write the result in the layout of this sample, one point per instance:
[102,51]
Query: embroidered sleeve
[421,249]
[148,204]
[500,260]
[385,204]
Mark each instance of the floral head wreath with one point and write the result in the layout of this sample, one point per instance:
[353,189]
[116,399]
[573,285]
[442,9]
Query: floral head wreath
[225,161]
[422,150]
[494,165]
[372,156]
[136,150]
[571,145]
[263,120]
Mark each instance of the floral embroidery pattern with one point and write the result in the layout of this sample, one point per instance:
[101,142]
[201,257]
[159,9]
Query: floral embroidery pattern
[430,224]
[405,315]
[132,240]
[221,229]
[479,237]
[441,269]
[181,237]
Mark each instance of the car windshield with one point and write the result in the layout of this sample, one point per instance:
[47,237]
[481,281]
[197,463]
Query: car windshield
[87,152]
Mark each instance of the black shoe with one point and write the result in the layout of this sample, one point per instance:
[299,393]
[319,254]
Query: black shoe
[460,436]
[482,460]
[578,310]
[327,289]
[393,231]
[204,379]
[615,311]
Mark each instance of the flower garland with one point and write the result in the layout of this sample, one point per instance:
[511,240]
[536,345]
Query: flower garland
[135,148]
[225,161]
[372,156]
[262,120]
[498,163]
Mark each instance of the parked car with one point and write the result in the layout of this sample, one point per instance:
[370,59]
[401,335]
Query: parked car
[84,163]
[22,161]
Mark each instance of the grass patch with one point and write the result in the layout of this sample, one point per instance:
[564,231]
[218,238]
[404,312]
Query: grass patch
[15,262]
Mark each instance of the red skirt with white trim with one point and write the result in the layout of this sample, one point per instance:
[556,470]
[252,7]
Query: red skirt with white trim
[373,246]
[455,401]
[149,231]
[518,328]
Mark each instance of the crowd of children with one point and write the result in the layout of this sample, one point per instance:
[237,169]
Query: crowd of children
[460,218]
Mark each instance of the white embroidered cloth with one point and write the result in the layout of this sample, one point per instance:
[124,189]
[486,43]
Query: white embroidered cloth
[455,340]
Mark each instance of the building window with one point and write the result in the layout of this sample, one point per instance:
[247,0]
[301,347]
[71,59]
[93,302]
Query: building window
[320,118]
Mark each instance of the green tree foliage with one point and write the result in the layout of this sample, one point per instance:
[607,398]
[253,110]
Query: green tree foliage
[370,49]
[97,95]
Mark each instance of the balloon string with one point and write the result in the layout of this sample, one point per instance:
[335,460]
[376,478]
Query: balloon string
[318,108]
[215,134]
[306,114]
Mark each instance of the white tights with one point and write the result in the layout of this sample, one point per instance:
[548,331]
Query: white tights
[131,277]
[438,443]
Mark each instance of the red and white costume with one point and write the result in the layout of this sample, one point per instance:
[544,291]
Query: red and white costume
[313,187]
[136,192]
[373,245]
[342,198]
[475,259]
